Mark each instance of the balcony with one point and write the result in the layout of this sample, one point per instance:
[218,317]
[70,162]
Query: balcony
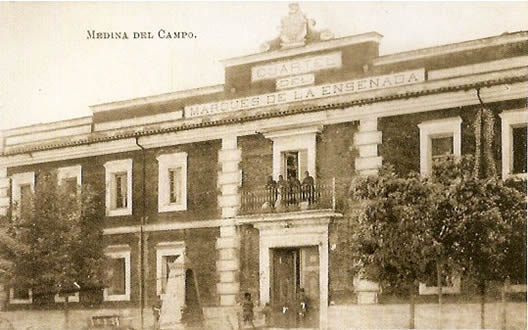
[265,199]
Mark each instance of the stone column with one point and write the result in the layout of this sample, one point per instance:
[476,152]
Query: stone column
[368,163]
[228,244]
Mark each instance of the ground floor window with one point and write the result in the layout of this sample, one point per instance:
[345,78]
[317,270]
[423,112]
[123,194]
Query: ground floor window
[118,286]
[166,254]
[19,295]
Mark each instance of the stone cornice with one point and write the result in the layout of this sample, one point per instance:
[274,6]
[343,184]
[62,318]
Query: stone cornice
[422,97]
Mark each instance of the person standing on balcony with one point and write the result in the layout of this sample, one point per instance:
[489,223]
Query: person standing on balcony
[295,189]
[282,186]
[308,187]
[271,190]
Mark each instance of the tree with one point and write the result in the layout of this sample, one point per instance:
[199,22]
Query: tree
[61,226]
[395,234]
[489,223]
[454,222]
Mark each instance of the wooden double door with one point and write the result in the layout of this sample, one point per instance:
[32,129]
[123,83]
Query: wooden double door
[294,282]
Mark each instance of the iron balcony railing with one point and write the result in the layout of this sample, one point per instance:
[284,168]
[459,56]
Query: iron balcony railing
[267,199]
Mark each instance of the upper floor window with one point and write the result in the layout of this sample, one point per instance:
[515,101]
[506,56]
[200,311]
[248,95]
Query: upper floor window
[118,179]
[514,136]
[23,185]
[70,177]
[172,182]
[438,139]
[118,270]
[294,152]
[519,149]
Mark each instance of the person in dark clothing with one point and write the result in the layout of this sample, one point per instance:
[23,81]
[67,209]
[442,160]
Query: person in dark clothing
[271,189]
[282,188]
[247,310]
[308,188]
[295,189]
[156,310]
[302,308]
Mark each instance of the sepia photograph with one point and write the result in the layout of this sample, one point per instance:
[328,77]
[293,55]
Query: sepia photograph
[263,165]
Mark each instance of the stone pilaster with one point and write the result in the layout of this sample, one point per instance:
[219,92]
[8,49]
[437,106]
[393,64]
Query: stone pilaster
[366,140]
[4,191]
[228,244]
[368,163]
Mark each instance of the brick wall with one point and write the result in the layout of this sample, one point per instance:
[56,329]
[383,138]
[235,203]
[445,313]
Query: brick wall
[257,160]
[401,135]
[201,256]
[249,261]
[201,181]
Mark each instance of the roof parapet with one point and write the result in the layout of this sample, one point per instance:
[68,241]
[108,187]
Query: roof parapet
[309,48]
[505,38]
[157,98]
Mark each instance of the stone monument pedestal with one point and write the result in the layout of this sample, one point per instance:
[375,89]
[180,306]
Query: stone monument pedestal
[173,301]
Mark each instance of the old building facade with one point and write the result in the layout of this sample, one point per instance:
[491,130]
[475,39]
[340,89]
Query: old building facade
[185,174]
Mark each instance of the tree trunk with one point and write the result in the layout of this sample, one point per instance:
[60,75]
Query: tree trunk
[439,285]
[504,304]
[411,309]
[482,304]
[66,313]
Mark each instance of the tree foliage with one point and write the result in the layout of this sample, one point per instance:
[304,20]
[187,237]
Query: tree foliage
[472,226]
[61,229]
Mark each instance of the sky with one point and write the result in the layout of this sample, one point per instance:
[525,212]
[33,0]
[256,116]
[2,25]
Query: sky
[50,70]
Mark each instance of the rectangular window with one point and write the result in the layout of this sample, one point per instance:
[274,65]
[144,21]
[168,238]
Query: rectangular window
[175,182]
[120,190]
[117,276]
[513,139]
[23,185]
[118,179]
[70,184]
[519,149]
[438,139]
[441,147]
[25,198]
[165,261]
[291,164]
[172,182]
[21,294]
[118,268]
[166,254]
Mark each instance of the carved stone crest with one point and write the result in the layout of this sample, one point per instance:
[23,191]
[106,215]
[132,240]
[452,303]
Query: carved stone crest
[293,27]
[296,31]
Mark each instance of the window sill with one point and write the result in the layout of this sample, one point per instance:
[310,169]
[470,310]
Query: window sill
[118,212]
[15,301]
[433,290]
[20,301]
[71,298]
[117,297]
[172,208]
[518,176]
